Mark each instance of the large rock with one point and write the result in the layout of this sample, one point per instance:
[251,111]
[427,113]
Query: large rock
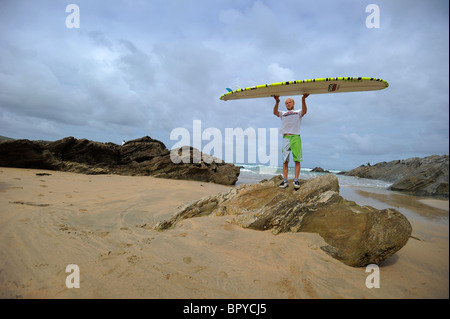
[143,156]
[428,176]
[355,235]
[25,154]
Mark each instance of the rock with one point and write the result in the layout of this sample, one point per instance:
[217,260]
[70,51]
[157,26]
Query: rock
[25,154]
[319,170]
[143,156]
[427,176]
[355,235]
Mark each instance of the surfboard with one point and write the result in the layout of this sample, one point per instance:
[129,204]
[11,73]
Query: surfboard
[312,86]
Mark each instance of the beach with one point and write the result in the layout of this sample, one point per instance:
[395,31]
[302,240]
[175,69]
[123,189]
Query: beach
[104,225]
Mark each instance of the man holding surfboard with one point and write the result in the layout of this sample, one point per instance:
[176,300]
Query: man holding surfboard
[291,119]
[292,143]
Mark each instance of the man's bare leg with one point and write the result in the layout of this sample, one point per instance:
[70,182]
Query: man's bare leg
[297,169]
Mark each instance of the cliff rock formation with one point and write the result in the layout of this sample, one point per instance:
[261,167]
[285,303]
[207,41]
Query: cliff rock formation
[143,156]
[426,176]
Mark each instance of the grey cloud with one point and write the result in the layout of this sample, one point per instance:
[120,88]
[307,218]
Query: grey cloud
[145,68]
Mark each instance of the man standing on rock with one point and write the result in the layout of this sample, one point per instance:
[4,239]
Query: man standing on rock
[292,143]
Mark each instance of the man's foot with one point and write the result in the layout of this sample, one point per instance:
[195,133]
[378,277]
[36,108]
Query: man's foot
[296,184]
[283,184]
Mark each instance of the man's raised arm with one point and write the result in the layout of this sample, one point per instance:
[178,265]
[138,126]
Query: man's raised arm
[275,108]
[304,108]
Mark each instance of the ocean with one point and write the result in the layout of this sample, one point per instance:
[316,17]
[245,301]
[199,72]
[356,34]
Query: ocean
[252,174]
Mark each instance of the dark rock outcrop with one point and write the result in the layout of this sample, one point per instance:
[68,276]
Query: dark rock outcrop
[143,156]
[319,170]
[355,235]
[426,176]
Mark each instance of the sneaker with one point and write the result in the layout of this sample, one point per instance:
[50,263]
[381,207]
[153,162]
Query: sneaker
[296,184]
[283,184]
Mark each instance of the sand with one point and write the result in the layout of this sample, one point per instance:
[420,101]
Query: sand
[103,224]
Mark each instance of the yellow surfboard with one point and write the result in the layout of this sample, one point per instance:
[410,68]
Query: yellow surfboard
[313,86]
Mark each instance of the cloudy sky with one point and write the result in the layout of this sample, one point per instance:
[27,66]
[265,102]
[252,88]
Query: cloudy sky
[149,67]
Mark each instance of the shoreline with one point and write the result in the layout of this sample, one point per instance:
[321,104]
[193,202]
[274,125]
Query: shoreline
[413,207]
[103,223]
[436,203]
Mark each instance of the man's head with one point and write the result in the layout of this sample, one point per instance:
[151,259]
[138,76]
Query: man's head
[289,103]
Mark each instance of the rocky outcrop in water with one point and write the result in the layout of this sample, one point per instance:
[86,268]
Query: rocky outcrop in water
[143,156]
[426,176]
[355,235]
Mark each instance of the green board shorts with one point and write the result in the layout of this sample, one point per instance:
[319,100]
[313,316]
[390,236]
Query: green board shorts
[292,144]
